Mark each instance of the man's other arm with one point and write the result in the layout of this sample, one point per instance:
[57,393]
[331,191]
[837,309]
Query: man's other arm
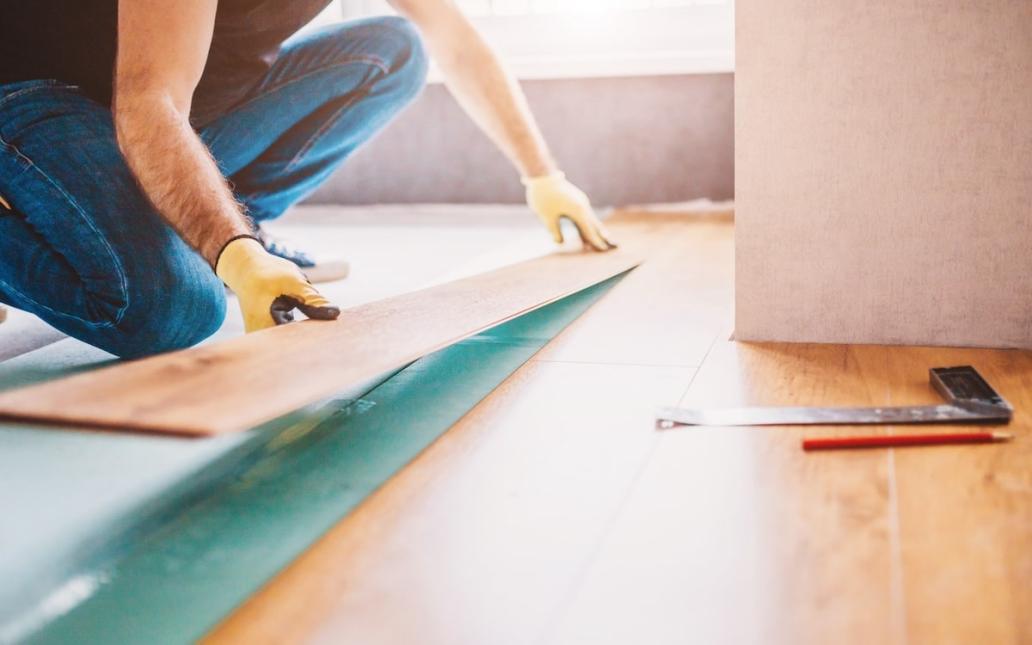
[493,99]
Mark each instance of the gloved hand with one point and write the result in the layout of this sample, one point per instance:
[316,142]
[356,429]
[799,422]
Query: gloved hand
[269,288]
[552,198]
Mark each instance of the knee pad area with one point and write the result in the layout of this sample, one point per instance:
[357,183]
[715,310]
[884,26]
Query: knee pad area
[174,312]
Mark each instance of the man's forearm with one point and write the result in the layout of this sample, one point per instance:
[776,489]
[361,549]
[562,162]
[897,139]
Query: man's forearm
[177,172]
[486,90]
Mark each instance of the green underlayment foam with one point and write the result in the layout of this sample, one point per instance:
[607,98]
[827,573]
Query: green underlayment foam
[175,581]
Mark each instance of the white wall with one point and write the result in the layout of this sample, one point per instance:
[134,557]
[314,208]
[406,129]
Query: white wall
[884,171]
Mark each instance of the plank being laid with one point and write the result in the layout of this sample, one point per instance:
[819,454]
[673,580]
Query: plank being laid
[244,382]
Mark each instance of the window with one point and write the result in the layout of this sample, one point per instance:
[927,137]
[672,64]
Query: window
[577,38]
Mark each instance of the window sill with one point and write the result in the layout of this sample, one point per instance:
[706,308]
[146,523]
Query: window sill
[613,66]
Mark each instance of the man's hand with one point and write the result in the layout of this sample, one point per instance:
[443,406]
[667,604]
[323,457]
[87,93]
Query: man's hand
[269,288]
[552,198]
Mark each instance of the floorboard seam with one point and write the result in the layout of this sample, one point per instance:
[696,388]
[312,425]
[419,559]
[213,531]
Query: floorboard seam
[898,588]
[556,614]
[577,583]
[698,369]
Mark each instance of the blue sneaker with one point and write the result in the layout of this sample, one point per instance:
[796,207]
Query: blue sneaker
[315,269]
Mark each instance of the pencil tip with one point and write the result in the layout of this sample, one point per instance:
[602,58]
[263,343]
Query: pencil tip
[1002,436]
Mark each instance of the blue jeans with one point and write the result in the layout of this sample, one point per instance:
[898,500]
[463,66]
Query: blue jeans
[83,249]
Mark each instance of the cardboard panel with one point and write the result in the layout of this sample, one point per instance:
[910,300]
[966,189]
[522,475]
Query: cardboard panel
[884,172]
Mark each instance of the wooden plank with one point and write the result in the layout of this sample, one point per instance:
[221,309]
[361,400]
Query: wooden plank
[965,515]
[244,382]
[484,536]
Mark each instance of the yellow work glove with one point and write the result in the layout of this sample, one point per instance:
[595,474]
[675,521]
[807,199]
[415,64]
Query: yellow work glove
[269,288]
[552,198]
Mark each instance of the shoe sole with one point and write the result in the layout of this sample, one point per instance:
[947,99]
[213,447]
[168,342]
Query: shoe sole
[327,272]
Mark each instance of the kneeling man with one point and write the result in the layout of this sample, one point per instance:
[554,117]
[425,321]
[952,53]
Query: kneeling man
[144,142]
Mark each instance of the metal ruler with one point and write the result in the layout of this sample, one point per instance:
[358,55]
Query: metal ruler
[969,399]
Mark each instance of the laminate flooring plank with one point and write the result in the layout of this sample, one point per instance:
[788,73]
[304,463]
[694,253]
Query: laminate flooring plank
[734,535]
[965,512]
[669,311]
[483,536]
[239,384]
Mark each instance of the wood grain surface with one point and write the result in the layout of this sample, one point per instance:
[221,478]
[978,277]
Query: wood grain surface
[238,384]
[554,512]
[965,516]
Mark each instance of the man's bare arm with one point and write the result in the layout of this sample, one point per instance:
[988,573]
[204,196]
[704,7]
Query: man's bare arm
[493,99]
[162,49]
[481,84]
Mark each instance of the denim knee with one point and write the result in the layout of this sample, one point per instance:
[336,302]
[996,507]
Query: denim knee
[176,304]
[401,45]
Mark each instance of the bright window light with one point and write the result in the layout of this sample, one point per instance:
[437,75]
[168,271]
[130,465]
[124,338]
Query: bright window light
[582,38]
[515,7]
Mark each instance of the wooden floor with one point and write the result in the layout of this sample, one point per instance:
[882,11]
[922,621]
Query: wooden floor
[554,512]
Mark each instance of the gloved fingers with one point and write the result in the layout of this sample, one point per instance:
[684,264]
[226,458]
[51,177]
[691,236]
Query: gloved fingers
[314,305]
[282,309]
[307,294]
[591,235]
[596,225]
[321,312]
[553,226]
[310,302]
[602,231]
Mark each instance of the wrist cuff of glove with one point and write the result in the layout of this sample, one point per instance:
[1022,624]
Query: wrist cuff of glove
[242,236]
[529,181]
[238,258]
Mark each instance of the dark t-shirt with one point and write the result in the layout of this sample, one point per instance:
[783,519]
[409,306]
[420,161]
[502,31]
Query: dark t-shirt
[74,41]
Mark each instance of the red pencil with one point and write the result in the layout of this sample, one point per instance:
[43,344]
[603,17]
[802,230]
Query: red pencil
[895,441]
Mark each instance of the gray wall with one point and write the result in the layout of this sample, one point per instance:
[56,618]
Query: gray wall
[884,172]
[624,140]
